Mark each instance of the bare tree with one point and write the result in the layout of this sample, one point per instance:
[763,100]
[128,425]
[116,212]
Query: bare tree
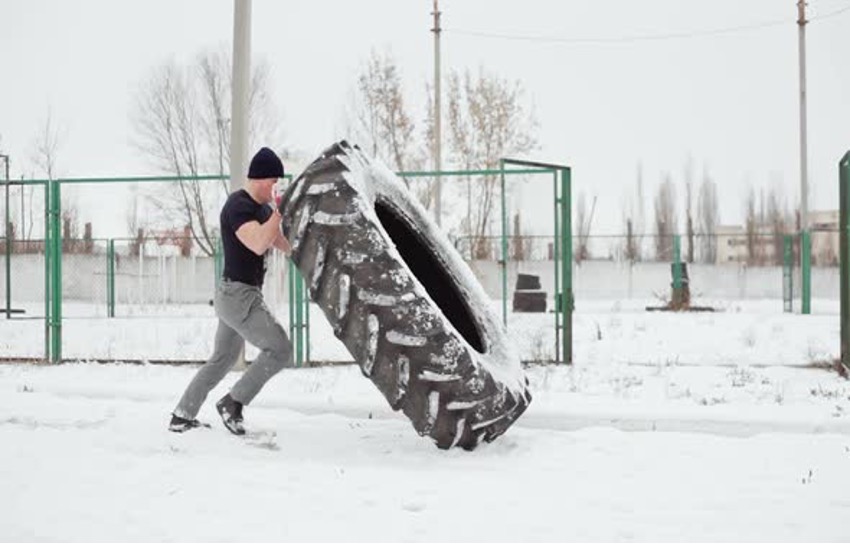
[137,221]
[45,154]
[640,214]
[520,247]
[70,222]
[632,253]
[383,124]
[626,247]
[583,222]
[633,220]
[708,217]
[47,144]
[689,218]
[182,124]
[751,224]
[488,120]
[665,219]
[383,120]
[776,219]
[427,191]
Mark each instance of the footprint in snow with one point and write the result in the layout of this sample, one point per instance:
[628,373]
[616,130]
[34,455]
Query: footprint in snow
[413,506]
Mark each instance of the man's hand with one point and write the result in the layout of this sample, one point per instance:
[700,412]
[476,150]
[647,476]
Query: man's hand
[283,244]
[280,240]
[276,215]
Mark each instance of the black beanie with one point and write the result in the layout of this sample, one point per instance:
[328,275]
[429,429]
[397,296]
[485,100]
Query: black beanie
[265,164]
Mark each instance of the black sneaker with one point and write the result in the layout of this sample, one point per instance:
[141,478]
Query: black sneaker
[231,414]
[180,425]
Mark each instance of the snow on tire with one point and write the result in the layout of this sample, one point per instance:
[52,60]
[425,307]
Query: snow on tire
[402,300]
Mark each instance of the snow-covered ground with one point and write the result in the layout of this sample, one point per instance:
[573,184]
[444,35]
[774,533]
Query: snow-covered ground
[752,332]
[668,427]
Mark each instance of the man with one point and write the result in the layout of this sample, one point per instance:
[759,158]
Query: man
[250,226]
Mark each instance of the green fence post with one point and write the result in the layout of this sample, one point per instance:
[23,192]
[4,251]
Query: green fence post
[788,274]
[306,322]
[299,318]
[110,277]
[53,249]
[532,168]
[504,262]
[48,249]
[556,252]
[56,271]
[290,280]
[806,269]
[296,314]
[844,256]
[567,263]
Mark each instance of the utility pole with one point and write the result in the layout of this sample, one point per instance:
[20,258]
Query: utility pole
[438,163]
[805,241]
[240,92]
[804,186]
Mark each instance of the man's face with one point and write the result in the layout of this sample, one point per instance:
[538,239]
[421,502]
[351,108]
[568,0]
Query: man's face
[266,189]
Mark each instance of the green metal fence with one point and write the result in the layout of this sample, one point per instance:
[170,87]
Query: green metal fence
[88,280]
[109,278]
[788,273]
[563,252]
[86,277]
[844,242]
[478,246]
[104,277]
[24,269]
[759,271]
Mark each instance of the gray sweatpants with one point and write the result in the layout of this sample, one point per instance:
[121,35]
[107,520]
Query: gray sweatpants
[242,315]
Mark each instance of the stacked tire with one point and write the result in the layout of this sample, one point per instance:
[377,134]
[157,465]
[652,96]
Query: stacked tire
[402,300]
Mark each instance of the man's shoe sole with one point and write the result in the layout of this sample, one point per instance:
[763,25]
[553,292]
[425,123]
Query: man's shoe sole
[184,428]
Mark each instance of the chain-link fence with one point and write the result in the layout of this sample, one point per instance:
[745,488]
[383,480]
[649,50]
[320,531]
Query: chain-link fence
[160,270]
[733,271]
[124,278]
[148,295]
[23,271]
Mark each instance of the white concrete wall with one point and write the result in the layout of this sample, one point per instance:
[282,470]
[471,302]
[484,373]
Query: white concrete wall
[191,280]
[608,280]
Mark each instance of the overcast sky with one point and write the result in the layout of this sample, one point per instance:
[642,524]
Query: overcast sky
[604,100]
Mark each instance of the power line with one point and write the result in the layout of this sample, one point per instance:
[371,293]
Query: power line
[639,38]
[621,39]
[819,2]
[831,14]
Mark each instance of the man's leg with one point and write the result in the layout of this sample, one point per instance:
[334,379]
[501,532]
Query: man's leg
[262,330]
[228,344]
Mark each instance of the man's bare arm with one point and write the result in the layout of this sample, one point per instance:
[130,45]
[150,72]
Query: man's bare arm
[260,237]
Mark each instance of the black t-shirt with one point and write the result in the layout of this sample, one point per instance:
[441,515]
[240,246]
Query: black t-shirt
[240,263]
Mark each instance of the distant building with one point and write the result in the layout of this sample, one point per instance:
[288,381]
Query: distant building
[825,244]
[732,242]
[732,246]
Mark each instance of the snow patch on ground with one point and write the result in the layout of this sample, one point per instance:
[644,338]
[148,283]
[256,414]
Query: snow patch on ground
[326,459]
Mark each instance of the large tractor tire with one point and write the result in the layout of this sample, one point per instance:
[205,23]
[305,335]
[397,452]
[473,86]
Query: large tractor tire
[402,300]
